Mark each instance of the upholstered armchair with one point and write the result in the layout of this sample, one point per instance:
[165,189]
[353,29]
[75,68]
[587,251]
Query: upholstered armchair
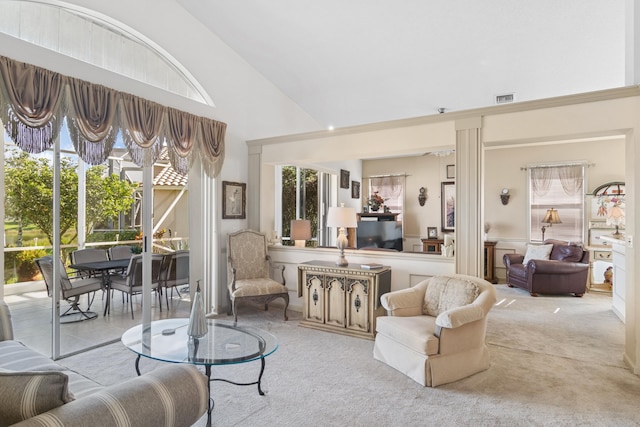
[435,331]
[248,271]
[556,267]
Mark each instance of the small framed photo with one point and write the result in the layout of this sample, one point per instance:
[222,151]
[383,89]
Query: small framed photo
[355,189]
[234,200]
[432,232]
[451,171]
[344,179]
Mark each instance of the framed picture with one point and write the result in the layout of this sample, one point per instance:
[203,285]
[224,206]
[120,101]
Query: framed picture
[432,232]
[448,200]
[451,171]
[234,200]
[355,190]
[344,179]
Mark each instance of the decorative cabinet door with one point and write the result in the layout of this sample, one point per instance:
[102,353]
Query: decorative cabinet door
[313,295]
[345,300]
[334,294]
[358,304]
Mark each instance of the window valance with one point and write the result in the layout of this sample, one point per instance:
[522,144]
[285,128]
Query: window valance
[34,101]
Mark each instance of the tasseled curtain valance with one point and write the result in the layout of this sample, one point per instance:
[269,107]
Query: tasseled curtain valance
[33,102]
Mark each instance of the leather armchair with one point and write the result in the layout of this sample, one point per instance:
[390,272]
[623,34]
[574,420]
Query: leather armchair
[565,271]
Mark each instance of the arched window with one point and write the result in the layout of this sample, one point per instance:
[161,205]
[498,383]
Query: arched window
[99,40]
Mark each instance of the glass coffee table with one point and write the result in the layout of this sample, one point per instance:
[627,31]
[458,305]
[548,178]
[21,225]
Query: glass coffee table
[226,343]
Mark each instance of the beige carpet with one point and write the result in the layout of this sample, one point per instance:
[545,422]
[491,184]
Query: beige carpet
[555,361]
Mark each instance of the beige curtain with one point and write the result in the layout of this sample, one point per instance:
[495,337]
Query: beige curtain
[181,133]
[91,121]
[33,102]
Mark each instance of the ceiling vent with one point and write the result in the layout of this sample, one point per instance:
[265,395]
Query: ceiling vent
[505,99]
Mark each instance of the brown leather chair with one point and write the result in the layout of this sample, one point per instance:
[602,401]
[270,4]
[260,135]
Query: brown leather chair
[565,271]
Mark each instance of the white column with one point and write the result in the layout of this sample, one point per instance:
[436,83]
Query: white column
[82,203]
[253,187]
[469,211]
[632,42]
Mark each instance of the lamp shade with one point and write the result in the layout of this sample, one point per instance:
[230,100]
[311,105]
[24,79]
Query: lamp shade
[300,229]
[342,217]
[552,217]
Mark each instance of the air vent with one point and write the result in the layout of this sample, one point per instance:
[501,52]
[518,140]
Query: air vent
[505,99]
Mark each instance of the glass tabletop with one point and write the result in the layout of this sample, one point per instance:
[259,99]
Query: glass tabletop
[225,343]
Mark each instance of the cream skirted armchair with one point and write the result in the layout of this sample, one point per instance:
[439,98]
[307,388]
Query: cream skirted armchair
[435,331]
[248,269]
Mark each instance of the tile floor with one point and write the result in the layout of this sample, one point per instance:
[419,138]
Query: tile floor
[31,317]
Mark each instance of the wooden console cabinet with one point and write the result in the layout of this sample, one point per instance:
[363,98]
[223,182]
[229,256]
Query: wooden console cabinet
[434,247]
[344,300]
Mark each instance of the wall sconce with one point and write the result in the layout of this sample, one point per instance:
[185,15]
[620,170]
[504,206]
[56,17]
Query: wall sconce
[504,196]
[422,197]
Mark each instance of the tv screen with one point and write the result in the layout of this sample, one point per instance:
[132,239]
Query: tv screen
[379,234]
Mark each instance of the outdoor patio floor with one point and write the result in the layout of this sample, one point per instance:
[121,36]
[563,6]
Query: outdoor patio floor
[31,317]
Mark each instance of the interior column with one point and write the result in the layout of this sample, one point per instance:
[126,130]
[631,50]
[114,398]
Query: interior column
[469,201]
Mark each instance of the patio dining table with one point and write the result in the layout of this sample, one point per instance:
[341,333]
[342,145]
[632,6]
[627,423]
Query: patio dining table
[103,267]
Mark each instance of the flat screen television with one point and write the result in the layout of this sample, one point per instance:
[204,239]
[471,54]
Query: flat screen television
[379,234]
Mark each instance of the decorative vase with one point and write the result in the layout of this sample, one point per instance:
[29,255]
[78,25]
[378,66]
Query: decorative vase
[197,322]
[375,207]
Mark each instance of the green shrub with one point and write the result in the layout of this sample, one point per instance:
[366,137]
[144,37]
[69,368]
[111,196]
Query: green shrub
[26,265]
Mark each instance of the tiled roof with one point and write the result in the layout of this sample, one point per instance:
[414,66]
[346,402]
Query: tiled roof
[167,176]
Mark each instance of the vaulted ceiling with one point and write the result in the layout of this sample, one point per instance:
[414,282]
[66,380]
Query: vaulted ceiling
[363,61]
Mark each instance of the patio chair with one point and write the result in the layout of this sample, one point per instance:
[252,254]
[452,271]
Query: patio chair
[248,266]
[70,290]
[130,283]
[88,255]
[120,252]
[174,273]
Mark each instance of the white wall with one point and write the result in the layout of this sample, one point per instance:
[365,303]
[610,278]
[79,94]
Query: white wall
[428,171]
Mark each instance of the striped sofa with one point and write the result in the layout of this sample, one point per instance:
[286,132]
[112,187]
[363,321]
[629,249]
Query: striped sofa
[35,391]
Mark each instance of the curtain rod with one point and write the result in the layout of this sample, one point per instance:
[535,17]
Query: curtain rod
[385,176]
[557,165]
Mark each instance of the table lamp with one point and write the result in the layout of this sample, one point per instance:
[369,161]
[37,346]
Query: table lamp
[300,232]
[551,217]
[616,216]
[342,218]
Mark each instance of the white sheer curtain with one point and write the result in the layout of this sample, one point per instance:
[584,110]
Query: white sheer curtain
[559,187]
[391,189]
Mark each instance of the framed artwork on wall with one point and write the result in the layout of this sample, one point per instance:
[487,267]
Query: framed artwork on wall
[451,171]
[448,201]
[234,200]
[355,189]
[344,179]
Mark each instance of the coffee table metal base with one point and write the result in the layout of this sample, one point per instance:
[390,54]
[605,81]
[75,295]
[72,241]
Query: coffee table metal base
[207,371]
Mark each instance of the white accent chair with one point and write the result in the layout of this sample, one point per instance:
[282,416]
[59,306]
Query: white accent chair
[435,331]
[248,272]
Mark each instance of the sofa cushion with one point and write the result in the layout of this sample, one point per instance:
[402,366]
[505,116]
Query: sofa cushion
[445,293]
[415,332]
[537,252]
[16,356]
[567,253]
[254,287]
[27,394]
